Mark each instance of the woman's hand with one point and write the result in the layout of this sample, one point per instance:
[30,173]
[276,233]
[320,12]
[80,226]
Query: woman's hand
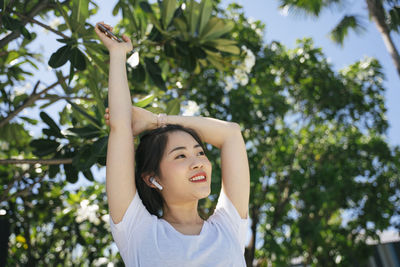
[142,120]
[113,45]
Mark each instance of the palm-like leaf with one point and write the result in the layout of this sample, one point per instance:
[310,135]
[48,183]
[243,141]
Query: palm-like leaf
[309,7]
[353,22]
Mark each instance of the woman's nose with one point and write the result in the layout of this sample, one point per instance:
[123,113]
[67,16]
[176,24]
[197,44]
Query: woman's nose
[197,163]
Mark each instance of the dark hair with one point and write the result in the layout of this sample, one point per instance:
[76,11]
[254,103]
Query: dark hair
[148,157]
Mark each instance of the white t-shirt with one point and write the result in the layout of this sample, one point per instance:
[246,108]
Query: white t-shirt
[144,240]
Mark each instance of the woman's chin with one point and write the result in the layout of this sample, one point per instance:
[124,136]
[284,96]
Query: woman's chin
[204,192]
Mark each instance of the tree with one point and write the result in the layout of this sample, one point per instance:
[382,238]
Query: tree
[315,138]
[384,13]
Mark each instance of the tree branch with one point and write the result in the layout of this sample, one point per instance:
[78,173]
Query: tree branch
[42,5]
[42,25]
[32,98]
[4,11]
[34,161]
[52,97]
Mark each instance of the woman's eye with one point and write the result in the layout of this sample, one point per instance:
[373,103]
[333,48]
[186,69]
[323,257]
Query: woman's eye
[181,156]
[202,153]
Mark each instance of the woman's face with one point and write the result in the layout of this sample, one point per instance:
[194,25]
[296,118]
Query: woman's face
[184,169]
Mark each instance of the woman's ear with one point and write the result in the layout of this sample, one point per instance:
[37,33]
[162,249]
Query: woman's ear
[146,178]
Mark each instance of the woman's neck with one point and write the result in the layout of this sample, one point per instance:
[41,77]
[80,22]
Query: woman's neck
[182,214]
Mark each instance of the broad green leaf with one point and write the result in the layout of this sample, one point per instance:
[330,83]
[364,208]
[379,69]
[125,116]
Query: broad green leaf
[99,147]
[79,14]
[229,49]
[95,90]
[88,174]
[192,12]
[84,159]
[86,132]
[30,120]
[64,14]
[138,74]
[116,8]
[154,72]
[145,101]
[77,59]
[146,7]
[205,13]
[215,28]
[181,25]
[44,147]
[167,11]
[71,173]
[173,107]
[220,42]
[14,134]
[60,57]
[215,62]
[91,119]
[49,121]
[155,110]
[54,170]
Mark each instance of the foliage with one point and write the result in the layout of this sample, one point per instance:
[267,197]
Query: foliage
[315,137]
[384,13]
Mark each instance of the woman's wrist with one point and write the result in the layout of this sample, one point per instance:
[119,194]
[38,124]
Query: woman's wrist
[117,53]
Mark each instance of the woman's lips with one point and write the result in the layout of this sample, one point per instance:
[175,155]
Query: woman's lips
[200,177]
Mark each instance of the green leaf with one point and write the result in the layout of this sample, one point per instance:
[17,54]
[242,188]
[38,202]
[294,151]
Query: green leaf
[30,120]
[342,28]
[221,42]
[54,170]
[145,7]
[91,119]
[215,62]
[145,101]
[167,11]
[173,107]
[50,122]
[215,28]
[88,174]
[155,110]
[26,33]
[138,74]
[205,13]
[79,14]
[71,173]
[87,132]
[84,159]
[44,147]
[116,9]
[99,147]
[77,59]
[154,72]
[229,49]
[192,12]
[60,57]
[52,132]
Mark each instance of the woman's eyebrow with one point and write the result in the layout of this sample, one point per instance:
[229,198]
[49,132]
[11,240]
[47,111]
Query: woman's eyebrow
[182,147]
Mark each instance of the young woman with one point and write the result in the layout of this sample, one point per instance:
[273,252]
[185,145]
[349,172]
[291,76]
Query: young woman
[153,203]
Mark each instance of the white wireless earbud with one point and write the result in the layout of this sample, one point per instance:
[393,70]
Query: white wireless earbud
[153,181]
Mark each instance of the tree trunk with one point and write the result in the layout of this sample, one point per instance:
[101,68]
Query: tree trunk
[251,249]
[377,13]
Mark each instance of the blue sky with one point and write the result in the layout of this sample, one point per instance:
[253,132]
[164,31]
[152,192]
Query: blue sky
[282,27]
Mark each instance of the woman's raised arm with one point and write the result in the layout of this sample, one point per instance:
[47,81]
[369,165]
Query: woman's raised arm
[120,180]
[226,136]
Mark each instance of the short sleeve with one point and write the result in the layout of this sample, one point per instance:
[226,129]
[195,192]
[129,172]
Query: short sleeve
[133,217]
[226,210]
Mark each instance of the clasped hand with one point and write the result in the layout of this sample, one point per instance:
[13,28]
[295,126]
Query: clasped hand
[142,120]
